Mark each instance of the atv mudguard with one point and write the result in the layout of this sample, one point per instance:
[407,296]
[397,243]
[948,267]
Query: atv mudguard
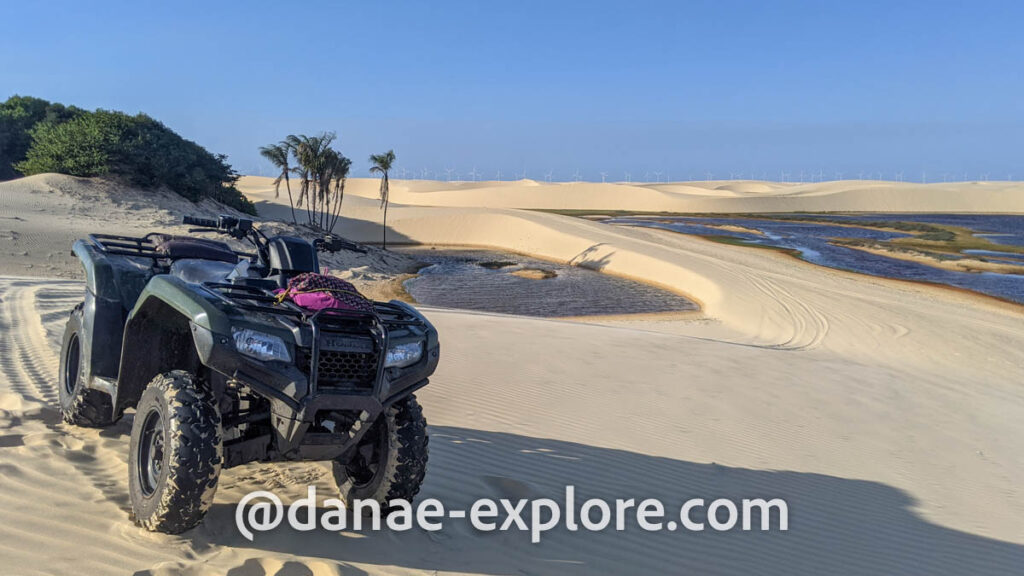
[159,335]
[113,285]
[137,324]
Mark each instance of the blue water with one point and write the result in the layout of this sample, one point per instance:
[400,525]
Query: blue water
[812,242]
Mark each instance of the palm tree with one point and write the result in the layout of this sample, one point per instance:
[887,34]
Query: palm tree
[277,154]
[381,165]
[322,172]
[313,155]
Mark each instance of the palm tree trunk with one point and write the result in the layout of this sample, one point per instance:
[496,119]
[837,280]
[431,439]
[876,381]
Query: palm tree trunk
[325,205]
[339,192]
[309,206]
[291,203]
[385,230]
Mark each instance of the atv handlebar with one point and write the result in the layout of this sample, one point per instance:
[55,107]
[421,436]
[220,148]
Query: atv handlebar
[203,222]
[235,227]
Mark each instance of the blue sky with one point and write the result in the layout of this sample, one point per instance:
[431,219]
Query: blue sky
[680,89]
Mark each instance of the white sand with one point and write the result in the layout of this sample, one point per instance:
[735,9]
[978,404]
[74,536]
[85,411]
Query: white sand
[890,415]
[715,196]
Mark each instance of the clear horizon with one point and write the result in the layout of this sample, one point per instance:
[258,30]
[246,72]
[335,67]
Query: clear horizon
[572,90]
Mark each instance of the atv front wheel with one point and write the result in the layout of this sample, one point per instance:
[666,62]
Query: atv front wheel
[390,461]
[175,455]
[80,405]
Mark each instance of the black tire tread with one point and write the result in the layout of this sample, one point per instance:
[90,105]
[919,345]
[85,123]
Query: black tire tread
[408,452]
[88,408]
[196,455]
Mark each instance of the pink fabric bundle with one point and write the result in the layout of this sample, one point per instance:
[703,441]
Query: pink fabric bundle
[319,291]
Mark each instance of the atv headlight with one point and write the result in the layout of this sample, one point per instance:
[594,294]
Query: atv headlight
[402,355]
[260,346]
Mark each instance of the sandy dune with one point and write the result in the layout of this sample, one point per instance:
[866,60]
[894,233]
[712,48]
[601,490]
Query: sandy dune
[713,196]
[890,415]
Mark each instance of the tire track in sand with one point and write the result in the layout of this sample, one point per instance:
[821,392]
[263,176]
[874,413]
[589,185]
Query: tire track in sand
[64,483]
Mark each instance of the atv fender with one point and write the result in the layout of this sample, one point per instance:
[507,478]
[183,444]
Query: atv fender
[111,288]
[158,336]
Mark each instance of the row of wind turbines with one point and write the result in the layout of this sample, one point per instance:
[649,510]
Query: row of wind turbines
[655,176]
[802,176]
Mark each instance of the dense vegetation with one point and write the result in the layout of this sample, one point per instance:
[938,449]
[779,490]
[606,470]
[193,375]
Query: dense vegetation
[18,115]
[37,136]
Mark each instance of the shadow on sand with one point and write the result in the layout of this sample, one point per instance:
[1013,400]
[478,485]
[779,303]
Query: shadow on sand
[836,525]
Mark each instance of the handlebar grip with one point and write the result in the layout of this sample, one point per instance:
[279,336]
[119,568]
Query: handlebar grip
[194,221]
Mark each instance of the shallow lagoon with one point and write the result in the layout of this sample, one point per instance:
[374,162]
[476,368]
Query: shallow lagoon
[812,241]
[513,284]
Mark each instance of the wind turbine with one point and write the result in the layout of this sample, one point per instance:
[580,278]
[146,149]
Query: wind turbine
[548,175]
[449,172]
[498,177]
[576,175]
[604,177]
[473,174]
[628,176]
[657,176]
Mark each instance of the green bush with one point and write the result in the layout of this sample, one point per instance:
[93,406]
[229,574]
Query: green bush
[18,114]
[138,148]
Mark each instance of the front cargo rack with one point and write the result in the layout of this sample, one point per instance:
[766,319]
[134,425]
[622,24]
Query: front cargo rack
[331,369]
[252,298]
[257,299]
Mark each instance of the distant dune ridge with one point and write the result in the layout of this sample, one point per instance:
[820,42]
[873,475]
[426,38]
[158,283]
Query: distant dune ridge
[890,415]
[711,196]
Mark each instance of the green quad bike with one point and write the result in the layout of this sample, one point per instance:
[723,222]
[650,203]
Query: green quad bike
[190,334]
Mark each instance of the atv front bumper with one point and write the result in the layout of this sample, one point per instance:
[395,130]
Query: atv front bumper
[296,402]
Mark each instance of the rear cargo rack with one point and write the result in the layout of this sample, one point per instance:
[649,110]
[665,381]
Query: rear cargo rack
[124,245]
[138,247]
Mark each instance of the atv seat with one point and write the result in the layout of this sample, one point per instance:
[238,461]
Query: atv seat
[177,247]
[198,271]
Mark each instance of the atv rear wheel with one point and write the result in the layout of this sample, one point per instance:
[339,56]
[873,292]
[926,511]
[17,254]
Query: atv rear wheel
[175,455]
[390,461]
[80,405]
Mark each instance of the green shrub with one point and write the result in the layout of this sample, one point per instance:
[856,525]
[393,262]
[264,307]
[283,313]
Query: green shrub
[138,148]
[18,114]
